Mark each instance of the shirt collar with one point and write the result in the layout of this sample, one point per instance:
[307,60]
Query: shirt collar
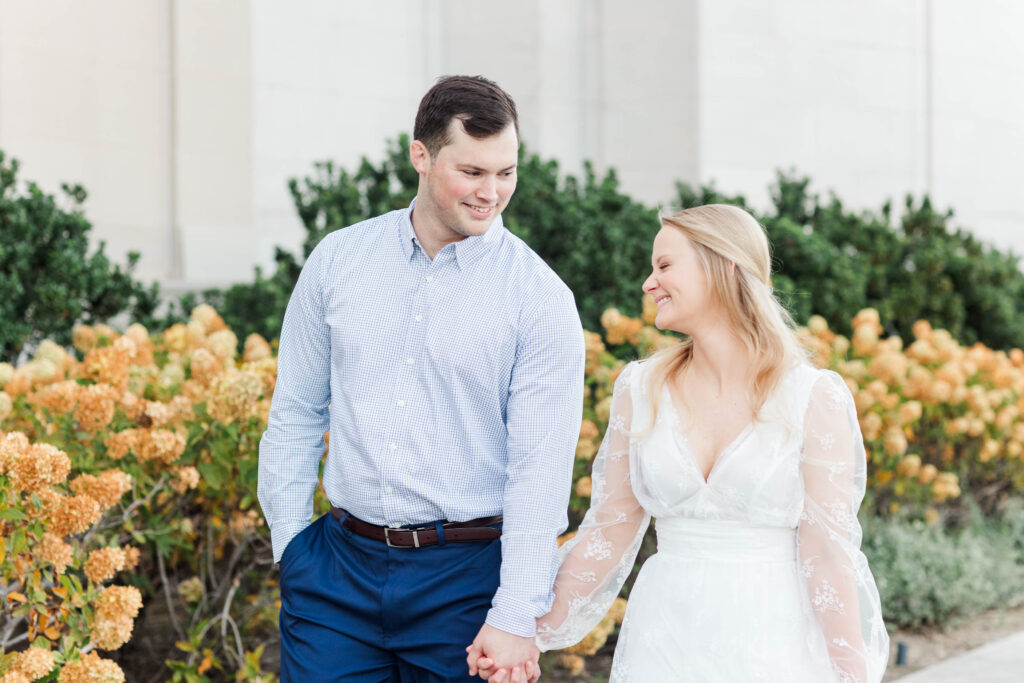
[467,250]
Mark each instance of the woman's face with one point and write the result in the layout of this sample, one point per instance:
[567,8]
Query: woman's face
[677,282]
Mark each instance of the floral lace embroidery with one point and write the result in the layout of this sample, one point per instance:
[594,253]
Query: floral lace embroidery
[807,568]
[598,547]
[826,599]
[827,440]
[585,577]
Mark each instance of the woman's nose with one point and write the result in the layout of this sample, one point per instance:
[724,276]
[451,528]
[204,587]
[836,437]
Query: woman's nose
[650,284]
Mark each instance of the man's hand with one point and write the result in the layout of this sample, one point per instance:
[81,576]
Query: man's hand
[503,657]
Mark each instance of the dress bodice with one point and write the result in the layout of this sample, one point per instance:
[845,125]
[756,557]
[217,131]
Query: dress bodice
[754,479]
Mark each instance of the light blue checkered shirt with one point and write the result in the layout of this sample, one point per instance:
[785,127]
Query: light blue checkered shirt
[453,389]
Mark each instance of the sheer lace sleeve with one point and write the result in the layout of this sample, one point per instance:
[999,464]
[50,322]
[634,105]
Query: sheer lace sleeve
[595,563]
[840,588]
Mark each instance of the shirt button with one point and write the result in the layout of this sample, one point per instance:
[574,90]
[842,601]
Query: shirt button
[401,404]
[389,490]
[410,361]
[419,318]
[430,278]
[394,446]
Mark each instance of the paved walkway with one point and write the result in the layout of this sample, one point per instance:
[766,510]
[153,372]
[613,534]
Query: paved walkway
[999,661]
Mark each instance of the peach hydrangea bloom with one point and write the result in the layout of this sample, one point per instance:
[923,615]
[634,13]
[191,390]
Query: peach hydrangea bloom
[185,478]
[583,487]
[171,375]
[95,407]
[103,563]
[205,366]
[256,348]
[6,373]
[245,523]
[131,558]
[116,609]
[909,466]
[160,445]
[84,338]
[120,443]
[58,398]
[34,662]
[91,668]
[144,345]
[207,316]
[20,382]
[12,445]
[649,308]
[54,550]
[49,500]
[38,466]
[266,369]
[223,344]
[106,488]
[177,338]
[109,364]
[77,514]
[233,396]
[6,405]
[54,353]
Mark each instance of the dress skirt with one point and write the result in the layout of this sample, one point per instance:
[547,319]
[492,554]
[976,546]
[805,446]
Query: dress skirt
[721,601]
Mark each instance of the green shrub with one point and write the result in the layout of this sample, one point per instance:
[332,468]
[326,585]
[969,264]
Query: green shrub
[48,279]
[927,575]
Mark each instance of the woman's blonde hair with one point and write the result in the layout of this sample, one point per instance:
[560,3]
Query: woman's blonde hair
[724,235]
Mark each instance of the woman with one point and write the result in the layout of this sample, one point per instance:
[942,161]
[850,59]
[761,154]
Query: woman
[753,464]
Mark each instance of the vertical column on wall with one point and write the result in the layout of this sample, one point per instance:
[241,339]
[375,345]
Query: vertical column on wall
[592,82]
[175,265]
[561,117]
[648,94]
[213,147]
[929,99]
[435,40]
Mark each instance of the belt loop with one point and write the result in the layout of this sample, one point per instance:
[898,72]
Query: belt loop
[440,532]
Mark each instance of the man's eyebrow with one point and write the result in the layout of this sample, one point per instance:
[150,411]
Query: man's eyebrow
[477,168]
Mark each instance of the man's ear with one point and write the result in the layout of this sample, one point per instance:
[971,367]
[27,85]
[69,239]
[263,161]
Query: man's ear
[419,156]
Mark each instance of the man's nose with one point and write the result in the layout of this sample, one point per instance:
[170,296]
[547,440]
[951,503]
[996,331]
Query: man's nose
[488,189]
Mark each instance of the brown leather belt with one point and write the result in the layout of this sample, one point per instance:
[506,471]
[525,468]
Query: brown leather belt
[454,532]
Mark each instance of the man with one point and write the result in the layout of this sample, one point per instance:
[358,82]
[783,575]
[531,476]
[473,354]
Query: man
[446,359]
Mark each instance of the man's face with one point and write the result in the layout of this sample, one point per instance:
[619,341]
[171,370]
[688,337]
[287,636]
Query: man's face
[469,182]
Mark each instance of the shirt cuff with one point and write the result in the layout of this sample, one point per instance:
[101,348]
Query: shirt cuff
[281,534]
[512,616]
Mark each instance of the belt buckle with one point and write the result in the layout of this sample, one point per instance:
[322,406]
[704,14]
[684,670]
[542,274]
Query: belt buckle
[415,538]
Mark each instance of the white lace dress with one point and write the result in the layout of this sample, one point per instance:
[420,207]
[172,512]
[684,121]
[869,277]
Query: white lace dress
[759,574]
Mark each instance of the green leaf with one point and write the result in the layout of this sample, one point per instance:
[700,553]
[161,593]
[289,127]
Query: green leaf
[13,514]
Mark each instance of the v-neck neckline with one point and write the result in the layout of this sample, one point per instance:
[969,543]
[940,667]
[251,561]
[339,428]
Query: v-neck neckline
[688,447]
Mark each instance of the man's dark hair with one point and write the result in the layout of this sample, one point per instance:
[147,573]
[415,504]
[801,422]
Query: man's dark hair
[483,107]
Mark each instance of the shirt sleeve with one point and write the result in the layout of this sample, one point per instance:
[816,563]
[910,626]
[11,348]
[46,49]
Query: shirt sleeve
[598,559]
[840,588]
[543,415]
[293,442]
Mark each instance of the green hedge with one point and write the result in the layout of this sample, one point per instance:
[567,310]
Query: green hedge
[49,280]
[928,575]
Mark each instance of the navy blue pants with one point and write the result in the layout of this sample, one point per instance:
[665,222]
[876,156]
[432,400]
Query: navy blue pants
[353,609]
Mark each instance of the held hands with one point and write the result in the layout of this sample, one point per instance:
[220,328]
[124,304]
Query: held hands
[501,657]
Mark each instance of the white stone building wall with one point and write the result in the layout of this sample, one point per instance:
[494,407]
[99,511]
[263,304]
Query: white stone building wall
[185,118]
